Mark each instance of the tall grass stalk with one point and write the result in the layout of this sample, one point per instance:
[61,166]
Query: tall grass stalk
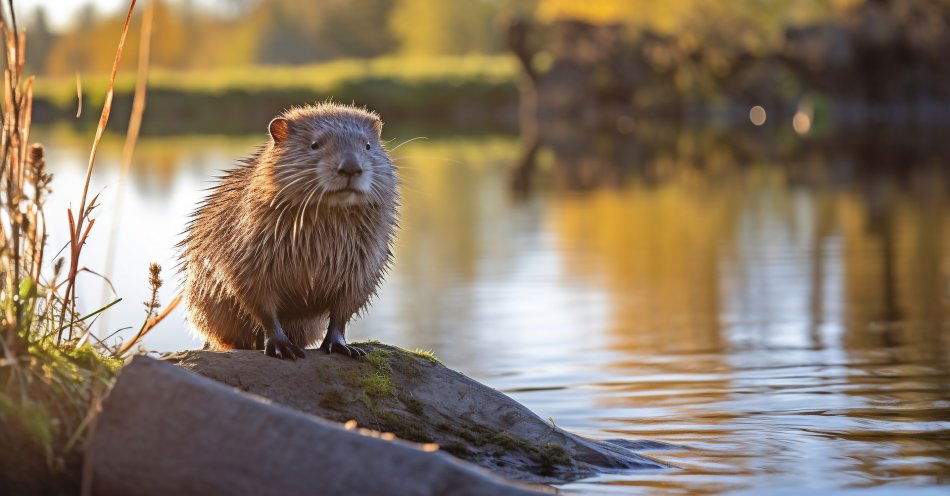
[78,226]
[128,149]
[52,370]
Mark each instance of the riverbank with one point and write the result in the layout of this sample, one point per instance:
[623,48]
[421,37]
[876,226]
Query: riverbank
[463,92]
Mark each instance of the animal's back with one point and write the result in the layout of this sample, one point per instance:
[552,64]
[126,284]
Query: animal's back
[211,250]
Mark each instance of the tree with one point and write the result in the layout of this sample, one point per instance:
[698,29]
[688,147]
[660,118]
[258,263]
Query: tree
[439,27]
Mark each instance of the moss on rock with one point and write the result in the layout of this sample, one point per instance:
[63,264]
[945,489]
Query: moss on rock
[414,397]
[377,384]
[426,355]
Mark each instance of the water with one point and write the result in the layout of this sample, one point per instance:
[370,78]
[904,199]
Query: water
[777,308]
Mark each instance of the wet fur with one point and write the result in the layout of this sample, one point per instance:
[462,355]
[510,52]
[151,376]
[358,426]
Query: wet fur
[271,237]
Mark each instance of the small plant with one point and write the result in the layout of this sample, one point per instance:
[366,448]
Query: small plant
[152,316]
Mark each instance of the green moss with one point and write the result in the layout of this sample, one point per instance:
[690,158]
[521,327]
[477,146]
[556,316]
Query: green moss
[548,456]
[379,359]
[89,359]
[377,384]
[351,376]
[374,380]
[403,427]
[37,424]
[32,418]
[471,438]
[507,441]
[476,435]
[551,455]
[50,412]
[426,354]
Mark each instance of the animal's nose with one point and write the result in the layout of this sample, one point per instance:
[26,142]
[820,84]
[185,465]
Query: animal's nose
[349,168]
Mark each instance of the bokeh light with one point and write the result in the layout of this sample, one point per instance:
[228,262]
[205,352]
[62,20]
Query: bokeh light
[801,122]
[757,115]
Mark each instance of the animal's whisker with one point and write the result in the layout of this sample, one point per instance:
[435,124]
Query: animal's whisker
[287,204]
[303,210]
[295,181]
[285,165]
[429,157]
[410,140]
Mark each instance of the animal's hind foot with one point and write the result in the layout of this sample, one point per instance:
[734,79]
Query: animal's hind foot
[281,347]
[334,343]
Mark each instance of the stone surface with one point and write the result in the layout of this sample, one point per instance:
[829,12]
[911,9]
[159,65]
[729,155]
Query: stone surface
[418,399]
[164,430]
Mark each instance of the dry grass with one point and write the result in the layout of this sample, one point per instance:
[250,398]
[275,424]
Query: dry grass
[52,368]
[81,224]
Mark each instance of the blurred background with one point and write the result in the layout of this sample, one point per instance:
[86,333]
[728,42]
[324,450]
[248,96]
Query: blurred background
[722,225]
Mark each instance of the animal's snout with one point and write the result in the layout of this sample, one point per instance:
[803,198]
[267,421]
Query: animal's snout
[350,167]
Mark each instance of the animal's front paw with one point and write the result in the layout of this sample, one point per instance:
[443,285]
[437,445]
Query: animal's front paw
[281,347]
[336,344]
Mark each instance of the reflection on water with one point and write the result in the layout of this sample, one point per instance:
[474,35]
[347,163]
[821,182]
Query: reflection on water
[780,308]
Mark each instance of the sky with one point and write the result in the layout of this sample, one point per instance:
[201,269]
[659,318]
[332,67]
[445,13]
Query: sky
[62,12]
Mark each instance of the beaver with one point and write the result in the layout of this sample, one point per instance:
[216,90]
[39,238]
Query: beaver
[292,243]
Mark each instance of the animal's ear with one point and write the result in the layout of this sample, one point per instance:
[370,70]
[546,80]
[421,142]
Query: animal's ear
[378,126]
[279,129]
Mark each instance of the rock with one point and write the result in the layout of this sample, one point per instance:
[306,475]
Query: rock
[418,399]
[164,430]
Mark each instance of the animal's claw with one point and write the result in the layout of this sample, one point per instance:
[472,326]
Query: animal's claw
[281,347]
[334,343]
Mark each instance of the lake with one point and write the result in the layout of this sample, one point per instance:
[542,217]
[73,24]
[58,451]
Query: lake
[777,307]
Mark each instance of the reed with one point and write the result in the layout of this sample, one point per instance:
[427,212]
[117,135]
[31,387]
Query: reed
[53,369]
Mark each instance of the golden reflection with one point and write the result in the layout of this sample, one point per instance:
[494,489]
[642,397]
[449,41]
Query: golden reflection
[711,262]
[657,252]
[895,269]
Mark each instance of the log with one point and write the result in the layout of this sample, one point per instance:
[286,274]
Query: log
[164,430]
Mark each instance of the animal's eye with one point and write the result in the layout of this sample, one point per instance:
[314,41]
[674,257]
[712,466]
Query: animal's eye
[314,145]
[367,145]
